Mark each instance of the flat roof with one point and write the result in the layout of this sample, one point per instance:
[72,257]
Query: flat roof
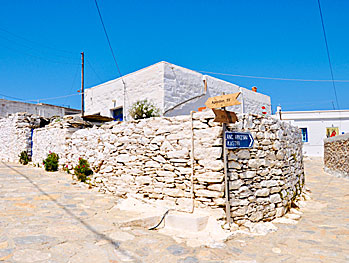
[314,111]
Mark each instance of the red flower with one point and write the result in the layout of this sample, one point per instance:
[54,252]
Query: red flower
[79,158]
[66,166]
[49,152]
[83,166]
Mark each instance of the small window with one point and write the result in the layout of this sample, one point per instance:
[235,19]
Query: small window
[304,134]
[117,114]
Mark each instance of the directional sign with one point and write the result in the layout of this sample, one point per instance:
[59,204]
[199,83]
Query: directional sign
[224,116]
[234,140]
[223,101]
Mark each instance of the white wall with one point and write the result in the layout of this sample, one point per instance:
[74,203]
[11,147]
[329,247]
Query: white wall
[146,83]
[182,84]
[8,107]
[316,122]
[167,85]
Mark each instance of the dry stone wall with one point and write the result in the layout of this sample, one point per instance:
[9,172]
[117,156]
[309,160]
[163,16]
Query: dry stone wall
[15,135]
[336,155]
[152,159]
[265,179]
[54,138]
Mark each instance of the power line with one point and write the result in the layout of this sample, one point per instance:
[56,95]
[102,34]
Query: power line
[53,98]
[5,96]
[36,43]
[106,34]
[271,78]
[35,56]
[328,53]
[88,62]
[75,75]
[32,48]
[37,100]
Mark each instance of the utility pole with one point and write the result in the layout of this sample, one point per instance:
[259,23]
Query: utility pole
[82,85]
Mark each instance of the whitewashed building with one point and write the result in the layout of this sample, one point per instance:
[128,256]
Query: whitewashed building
[174,90]
[316,126]
[8,107]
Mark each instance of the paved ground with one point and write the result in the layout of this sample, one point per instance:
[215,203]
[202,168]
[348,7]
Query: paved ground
[45,218]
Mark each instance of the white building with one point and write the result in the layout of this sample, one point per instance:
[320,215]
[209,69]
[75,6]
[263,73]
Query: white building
[174,90]
[8,107]
[317,125]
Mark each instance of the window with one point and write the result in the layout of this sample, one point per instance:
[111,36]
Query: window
[117,114]
[304,134]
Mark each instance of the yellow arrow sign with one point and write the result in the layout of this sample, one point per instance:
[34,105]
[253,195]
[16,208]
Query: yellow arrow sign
[223,101]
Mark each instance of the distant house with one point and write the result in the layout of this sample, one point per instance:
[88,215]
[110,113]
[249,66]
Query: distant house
[8,107]
[317,125]
[174,90]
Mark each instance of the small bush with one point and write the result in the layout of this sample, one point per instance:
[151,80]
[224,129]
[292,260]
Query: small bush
[143,109]
[83,170]
[66,169]
[51,162]
[24,158]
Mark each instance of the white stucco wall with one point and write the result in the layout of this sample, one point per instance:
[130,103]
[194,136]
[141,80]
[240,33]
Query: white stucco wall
[182,84]
[8,107]
[316,123]
[146,83]
[168,85]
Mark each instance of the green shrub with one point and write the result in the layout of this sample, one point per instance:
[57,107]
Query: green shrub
[51,162]
[83,170]
[66,169]
[24,158]
[143,109]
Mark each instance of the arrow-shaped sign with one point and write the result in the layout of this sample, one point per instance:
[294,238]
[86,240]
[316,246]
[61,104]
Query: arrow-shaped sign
[238,140]
[223,101]
[224,116]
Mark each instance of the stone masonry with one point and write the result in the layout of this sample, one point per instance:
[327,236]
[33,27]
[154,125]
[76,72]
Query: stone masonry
[336,155]
[151,159]
[15,135]
[266,179]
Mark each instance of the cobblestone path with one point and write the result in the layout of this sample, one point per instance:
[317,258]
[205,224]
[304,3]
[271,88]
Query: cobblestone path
[46,218]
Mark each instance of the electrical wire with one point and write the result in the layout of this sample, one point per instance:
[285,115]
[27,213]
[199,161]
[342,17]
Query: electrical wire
[75,75]
[162,219]
[35,56]
[53,98]
[33,48]
[271,78]
[106,34]
[5,96]
[36,43]
[88,62]
[328,53]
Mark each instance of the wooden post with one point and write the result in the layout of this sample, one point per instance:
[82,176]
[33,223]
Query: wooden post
[226,180]
[82,85]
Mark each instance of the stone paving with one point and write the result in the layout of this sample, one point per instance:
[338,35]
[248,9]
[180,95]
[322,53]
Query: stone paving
[46,217]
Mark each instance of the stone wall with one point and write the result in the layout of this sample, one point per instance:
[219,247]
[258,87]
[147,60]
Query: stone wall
[15,135]
[54,137]
[336,155]
[265,179]
[152,159]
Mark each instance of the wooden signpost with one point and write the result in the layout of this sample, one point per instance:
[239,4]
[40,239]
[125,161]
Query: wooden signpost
[224,117]
[223,101]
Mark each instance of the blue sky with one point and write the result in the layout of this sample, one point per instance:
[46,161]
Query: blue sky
[41,41]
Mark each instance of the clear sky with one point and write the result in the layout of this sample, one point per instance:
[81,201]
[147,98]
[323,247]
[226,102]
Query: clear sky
[41,41]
